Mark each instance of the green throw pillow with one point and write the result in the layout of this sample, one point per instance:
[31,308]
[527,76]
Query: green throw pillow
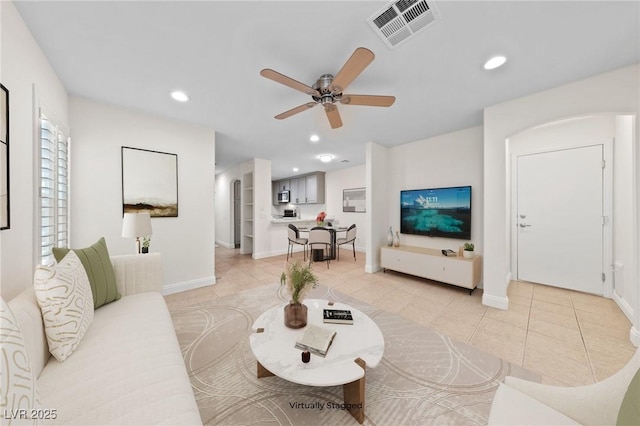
[629,413]
[97,264]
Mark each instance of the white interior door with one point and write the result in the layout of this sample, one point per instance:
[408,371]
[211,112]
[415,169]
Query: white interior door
[560,218]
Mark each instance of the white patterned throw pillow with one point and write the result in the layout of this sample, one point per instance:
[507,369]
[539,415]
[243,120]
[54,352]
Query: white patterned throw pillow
[17,382]
[66,302]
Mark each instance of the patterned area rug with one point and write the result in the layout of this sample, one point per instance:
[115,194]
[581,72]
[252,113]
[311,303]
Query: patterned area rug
[425,378]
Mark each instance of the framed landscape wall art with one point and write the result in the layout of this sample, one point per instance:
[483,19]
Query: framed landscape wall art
[354,200]
[4,158]
[149,182]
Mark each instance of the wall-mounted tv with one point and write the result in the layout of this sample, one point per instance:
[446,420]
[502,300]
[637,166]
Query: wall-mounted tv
[436,212]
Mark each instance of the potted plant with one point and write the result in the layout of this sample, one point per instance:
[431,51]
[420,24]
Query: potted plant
[145,244]
[320,218]
[468,250]
[299,279]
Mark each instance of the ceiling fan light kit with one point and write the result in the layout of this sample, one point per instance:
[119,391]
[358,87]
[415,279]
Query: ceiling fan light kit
[328,90]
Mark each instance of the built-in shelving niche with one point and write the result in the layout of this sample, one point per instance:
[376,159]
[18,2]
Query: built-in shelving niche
[247,214]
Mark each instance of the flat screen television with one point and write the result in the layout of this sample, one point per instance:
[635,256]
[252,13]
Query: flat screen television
[436,212]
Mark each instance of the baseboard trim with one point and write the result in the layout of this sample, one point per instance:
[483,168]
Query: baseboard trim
[634,336]
[264,255]
[371,269]
[623,305]
[225,244]
[496,302]
[296,253]
[188,285]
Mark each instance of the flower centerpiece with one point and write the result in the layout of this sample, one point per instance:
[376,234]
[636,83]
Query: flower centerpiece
[299,279]
[320,218]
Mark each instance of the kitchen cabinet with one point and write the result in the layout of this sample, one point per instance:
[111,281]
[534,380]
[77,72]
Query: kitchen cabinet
[305,189]
[277,186]
[284,185]
[311,193]
[298,191]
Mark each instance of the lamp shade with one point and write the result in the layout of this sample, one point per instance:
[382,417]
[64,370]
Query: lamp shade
[136,225]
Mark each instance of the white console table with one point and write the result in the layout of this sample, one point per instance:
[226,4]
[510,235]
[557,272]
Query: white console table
[432,264]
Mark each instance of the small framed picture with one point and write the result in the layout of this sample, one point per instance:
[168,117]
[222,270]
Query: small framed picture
[354,200]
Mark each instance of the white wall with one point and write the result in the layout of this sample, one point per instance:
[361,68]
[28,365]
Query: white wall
[262,199]
[25,69]
[626,289]
[453,159]
[224,207]
[612,92]
[335,182]
[377,219]
[187,241]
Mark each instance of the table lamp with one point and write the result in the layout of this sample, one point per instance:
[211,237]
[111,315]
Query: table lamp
[136,225]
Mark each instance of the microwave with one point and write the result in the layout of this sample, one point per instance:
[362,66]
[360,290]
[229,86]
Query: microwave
[283,196]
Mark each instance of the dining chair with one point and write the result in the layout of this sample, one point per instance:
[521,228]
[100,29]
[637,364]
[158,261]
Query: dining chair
[320,239]
[349,238]
[294,238]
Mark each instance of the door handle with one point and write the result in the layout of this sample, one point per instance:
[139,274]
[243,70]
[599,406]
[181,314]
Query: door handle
[524,225]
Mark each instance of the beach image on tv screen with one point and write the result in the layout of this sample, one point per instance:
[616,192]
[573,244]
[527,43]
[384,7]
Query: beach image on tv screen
[439,212]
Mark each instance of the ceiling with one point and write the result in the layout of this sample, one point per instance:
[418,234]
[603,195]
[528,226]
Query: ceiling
[133,54]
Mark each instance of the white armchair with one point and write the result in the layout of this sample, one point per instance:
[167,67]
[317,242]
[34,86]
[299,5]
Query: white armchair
[520,402]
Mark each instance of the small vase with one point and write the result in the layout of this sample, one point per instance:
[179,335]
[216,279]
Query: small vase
[390,237]
[468,254]
[396,240]
[319,223]
[295,315]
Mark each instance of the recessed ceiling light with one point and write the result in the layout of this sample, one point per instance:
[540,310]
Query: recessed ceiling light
[495,62]
[179,96]
[295,169]
[326,158]
[314,138]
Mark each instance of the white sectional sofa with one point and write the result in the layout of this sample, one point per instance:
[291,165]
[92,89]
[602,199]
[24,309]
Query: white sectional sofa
[520,402]
[127,370]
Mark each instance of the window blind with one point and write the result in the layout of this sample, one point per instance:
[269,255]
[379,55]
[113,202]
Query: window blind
[54,189]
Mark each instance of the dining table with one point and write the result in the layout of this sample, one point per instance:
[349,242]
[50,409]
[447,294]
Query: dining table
[317,255]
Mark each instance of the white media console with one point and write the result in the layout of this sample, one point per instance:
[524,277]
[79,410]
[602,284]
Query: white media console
[432,264]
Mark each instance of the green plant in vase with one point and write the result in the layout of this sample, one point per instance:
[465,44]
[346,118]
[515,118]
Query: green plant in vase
[299,279]
[468,250]
[145,244]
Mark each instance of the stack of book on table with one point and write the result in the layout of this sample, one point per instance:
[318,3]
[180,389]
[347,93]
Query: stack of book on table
[316,340]
[337,316]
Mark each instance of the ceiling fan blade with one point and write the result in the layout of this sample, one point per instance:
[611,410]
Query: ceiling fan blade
[368,100]
[295,110]
[359,60]
[333,115]
[288,81]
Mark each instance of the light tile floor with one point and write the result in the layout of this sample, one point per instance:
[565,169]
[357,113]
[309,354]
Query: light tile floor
[569,338]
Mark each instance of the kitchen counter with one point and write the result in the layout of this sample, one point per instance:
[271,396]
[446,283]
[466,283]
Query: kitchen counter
[291,220]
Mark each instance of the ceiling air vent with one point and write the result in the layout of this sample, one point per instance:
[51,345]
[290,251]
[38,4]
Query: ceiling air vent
[401,20]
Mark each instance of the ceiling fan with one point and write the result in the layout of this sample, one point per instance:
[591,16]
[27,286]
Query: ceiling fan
[327,90]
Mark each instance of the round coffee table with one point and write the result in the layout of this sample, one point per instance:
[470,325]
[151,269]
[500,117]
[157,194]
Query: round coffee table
[354,347]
